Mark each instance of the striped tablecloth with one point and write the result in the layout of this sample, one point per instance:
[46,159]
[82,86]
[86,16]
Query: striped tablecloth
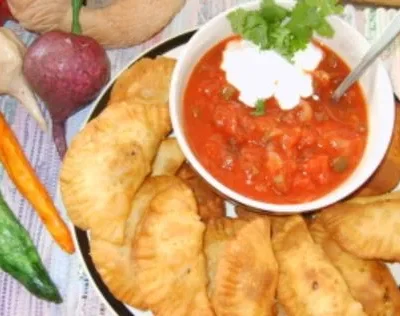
[80,298]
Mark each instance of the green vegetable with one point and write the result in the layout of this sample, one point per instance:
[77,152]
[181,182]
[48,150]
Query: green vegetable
[260,108]
[340,164]
[76,8]
[19,258]
[274,27]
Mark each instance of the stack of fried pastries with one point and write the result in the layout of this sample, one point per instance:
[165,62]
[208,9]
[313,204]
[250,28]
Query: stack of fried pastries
[161,241]
[334,263]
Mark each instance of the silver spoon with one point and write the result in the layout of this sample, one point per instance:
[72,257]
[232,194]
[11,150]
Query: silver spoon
[388,36]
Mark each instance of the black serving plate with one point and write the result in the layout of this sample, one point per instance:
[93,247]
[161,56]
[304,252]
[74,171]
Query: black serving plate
[82,236]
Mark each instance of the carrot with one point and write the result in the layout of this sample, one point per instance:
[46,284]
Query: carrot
[25,179]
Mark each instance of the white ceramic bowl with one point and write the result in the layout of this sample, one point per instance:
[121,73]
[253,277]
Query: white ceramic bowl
[350,45]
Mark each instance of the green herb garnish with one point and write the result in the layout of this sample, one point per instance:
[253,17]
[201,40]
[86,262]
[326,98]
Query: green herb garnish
[274,27]
[260,108]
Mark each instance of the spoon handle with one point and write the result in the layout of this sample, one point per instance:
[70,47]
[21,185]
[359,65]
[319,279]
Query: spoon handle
[388,36]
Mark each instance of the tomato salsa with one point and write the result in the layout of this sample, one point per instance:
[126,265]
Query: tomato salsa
[282,156]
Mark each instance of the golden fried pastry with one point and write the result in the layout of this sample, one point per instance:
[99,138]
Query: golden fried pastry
[387,176]
[247,214]
[168,251]
[370,282]
[116,268]
[210,204]
[106,164]
[168,159]
[151,187]
[367,227]
[309,284]
[147,81]
[241,265]
[114,261]
[218,233]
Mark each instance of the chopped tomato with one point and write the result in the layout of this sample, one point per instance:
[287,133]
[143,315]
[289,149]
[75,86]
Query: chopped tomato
[274,162]
[322,78]
[303,182]
[290,140]
[309,138]
[318,169]
[282,179]
[251,160]
[225,118]
[216,149]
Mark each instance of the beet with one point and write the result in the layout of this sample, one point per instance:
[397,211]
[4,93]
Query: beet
[66,71]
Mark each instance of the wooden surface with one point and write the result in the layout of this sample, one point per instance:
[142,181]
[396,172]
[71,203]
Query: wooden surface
[393,3]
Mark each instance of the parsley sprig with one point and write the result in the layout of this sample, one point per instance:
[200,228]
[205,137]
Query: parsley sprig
[286,31]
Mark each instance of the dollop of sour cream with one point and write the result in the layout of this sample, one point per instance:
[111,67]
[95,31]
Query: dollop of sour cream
[263,74]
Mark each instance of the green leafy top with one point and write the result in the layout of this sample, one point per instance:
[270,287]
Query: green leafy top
[274,27]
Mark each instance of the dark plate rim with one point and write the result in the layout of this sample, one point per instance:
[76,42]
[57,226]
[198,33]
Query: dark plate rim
[81,236]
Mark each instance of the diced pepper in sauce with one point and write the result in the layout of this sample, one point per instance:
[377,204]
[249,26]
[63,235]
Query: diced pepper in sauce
[340,164]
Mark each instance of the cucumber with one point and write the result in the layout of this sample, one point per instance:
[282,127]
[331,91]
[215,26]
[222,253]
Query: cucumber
[20,259]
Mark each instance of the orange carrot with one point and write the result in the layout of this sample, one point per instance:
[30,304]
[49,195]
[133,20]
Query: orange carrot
[25,179]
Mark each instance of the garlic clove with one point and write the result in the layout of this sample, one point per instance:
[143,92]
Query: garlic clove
[12,80]
[20,90]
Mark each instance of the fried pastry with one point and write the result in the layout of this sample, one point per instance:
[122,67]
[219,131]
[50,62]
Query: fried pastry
[387,176]
[218,233]
[114,261]
[309,284]
[106,164]
[242,268]
[210,204]
[168,159]
[370,282]
[141,203]
[147,81]
[168,252]
[116,268]
[367,227]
